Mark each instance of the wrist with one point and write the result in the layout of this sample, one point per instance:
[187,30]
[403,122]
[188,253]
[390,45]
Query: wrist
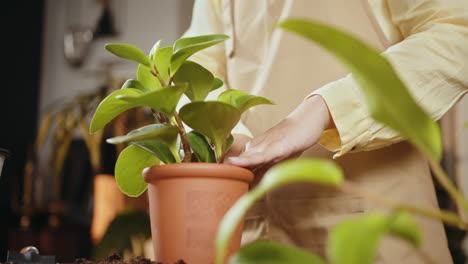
[314,110]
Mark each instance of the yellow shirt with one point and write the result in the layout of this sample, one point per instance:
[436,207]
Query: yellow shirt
[429,50]
[427,43]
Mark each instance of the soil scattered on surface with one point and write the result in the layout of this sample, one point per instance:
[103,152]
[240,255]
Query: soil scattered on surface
[115,259]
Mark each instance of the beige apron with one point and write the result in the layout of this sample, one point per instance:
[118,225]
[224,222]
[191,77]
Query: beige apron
[286,68]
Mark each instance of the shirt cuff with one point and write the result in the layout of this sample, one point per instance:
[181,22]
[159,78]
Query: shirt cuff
[352,123]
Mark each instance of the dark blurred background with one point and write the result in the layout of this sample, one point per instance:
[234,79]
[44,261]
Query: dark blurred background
[55,69]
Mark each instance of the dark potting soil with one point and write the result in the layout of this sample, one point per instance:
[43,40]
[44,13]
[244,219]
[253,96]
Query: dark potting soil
[115,259]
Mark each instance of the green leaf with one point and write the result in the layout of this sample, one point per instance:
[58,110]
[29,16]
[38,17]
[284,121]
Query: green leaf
[214,120]
[154,49]
[403,226]
[388,99]
[365,232]
[319,171]
[199,79]
[186,47]
[229,142]
[111,107]
[128,168]
[148,80]
[265,252]
[164,100]
[136,85]
[166,133]
[242,100]
[163,146]
[201,148]
[301,170]
[128,52]
[217,83]
[159,149]
[162,60]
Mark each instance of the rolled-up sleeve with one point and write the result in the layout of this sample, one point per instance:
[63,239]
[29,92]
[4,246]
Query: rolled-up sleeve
[431,59]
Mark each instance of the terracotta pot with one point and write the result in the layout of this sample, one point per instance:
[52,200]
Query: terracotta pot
[187,202]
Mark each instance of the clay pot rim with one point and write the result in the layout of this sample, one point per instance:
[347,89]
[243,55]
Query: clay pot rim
[197,170]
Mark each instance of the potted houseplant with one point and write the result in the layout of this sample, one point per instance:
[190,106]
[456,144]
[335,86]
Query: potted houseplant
[190,192]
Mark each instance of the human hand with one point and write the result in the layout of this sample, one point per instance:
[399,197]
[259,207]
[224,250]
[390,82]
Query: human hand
[288,139]
[238,146]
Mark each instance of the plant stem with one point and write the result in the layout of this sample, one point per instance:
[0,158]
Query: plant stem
[156,73]
[447,217]
[161,118]
[180,125]
[183,138]
[447,184]
[220,154]
[223,151]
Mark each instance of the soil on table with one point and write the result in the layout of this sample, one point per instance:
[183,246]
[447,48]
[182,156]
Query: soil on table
[115,259]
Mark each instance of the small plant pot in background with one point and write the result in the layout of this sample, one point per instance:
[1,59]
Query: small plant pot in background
[187,202]
[108,203]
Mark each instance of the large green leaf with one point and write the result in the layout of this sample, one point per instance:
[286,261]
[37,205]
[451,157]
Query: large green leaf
[301,170]
[199,79]
[164,100]
[166,133]
[111,107]
[145,76]
[201,148]
[388,99]
[264,252]
[128,168]
[136,85]
[162,60]
[186,47]
[365,232]
[129,52]
[214,120]
[242,100]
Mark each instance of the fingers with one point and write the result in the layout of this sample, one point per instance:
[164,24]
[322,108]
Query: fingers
[247,160]
[287,139]
[238,146]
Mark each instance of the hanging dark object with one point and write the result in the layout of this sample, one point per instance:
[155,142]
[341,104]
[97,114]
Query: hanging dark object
[105,26]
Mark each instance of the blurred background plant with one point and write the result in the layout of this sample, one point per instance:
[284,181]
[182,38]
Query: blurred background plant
[127,236]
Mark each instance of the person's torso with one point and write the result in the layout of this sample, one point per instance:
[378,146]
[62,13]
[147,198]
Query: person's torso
[267,61]
[284,67]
